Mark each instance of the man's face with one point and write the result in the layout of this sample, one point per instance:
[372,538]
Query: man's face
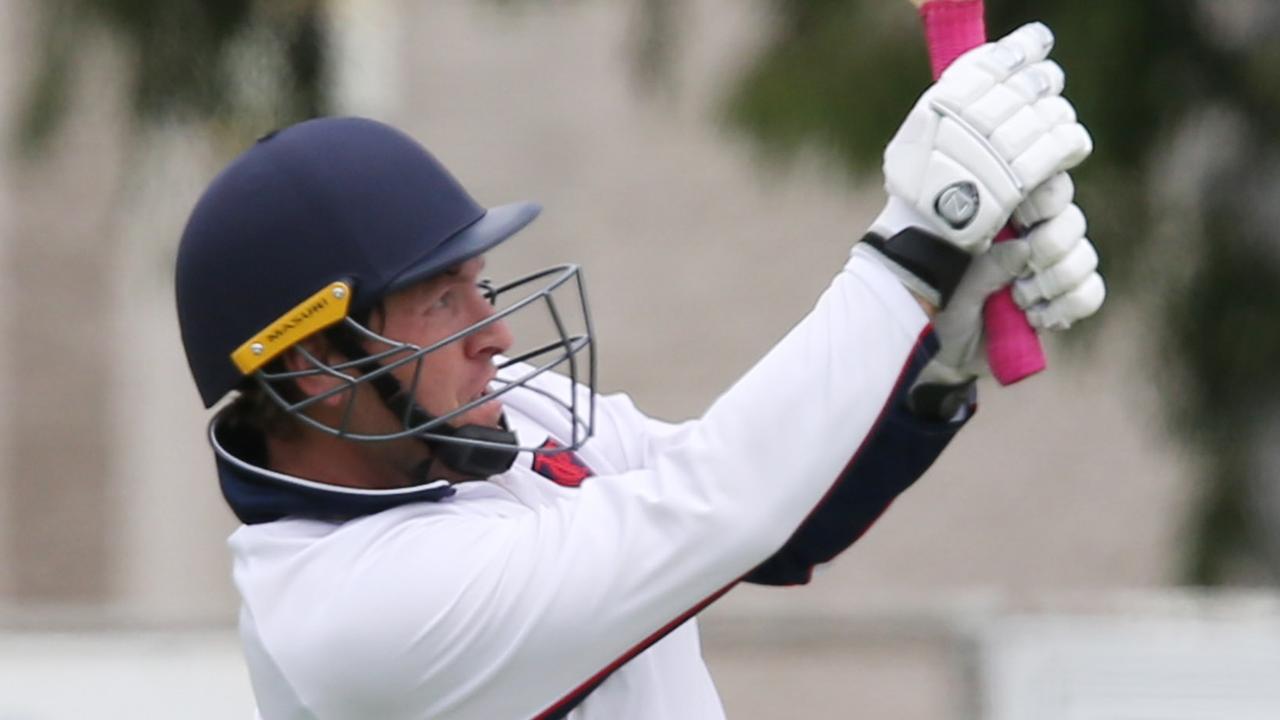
[459,372]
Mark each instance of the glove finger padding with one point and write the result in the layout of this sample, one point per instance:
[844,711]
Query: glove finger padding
[1052,239]
[1061,149]
[1055,110]
[1019,133]
[1043,79]
[999,104]
[1061,285]
[991,129]
[1070,307]
[1059,278]
[1047,201]
[996,61]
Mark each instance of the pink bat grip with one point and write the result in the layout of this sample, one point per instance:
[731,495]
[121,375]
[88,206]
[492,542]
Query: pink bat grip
[952,27]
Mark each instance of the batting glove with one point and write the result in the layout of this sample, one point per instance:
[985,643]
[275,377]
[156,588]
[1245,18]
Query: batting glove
[1054,271]
[994,127]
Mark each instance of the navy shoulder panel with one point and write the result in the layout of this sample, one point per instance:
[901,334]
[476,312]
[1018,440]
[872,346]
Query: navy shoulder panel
[899,449]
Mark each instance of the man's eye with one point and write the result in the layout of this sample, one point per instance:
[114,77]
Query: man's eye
[443,302]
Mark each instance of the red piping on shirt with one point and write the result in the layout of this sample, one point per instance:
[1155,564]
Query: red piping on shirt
[591,682]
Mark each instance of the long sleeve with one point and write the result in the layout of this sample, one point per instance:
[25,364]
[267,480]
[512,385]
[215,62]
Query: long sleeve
[898,451]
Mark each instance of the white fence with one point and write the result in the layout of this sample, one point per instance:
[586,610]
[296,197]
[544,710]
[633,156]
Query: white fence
[1165,656]
[118,675]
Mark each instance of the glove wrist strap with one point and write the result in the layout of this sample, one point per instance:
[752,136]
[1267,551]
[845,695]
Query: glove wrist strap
[928,265]
[940,402]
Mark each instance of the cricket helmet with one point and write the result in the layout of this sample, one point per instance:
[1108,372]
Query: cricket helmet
[308,230]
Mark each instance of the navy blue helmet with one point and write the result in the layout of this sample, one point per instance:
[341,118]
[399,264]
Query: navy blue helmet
[308,230]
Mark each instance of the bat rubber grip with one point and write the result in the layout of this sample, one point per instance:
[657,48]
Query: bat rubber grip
[1013,349]
[953,27]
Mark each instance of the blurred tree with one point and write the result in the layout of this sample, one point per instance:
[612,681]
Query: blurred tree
[1184,104]
[251,63]
[217,71]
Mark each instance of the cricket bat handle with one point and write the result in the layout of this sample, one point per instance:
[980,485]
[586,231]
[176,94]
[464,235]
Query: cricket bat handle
[1014,353]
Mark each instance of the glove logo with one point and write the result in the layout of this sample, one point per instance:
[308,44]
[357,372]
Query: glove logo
[957,204]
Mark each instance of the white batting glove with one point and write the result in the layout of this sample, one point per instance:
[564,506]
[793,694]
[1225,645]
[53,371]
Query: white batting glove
[1053,269]
[961,351]
[1062,284]
[992,129]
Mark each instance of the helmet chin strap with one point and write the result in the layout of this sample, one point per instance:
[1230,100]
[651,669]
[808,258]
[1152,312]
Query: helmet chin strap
[470,460]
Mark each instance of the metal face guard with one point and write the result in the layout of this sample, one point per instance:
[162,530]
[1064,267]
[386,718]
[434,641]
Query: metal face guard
[548,306]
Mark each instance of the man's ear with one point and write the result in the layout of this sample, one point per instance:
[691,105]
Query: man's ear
[295,360]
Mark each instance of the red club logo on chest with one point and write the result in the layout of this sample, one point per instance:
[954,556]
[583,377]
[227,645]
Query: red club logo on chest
[562,468]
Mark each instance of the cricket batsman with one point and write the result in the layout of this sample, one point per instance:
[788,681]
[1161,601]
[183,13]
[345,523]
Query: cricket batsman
[442,520]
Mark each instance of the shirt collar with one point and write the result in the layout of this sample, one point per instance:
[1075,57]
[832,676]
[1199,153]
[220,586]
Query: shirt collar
[259,495]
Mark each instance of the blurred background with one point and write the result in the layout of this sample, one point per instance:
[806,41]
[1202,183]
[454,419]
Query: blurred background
[1103,540]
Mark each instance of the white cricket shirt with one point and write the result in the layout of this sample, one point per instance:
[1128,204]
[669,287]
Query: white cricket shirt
[500,601]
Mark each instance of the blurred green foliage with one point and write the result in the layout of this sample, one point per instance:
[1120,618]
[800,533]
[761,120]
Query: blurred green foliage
[213,60]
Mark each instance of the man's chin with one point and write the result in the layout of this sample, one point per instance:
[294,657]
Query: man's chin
[486,415]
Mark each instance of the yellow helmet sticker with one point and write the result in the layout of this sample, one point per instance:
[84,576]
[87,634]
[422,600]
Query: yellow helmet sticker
[325,308]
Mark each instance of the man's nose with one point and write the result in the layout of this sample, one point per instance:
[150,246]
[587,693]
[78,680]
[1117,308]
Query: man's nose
[494,338]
